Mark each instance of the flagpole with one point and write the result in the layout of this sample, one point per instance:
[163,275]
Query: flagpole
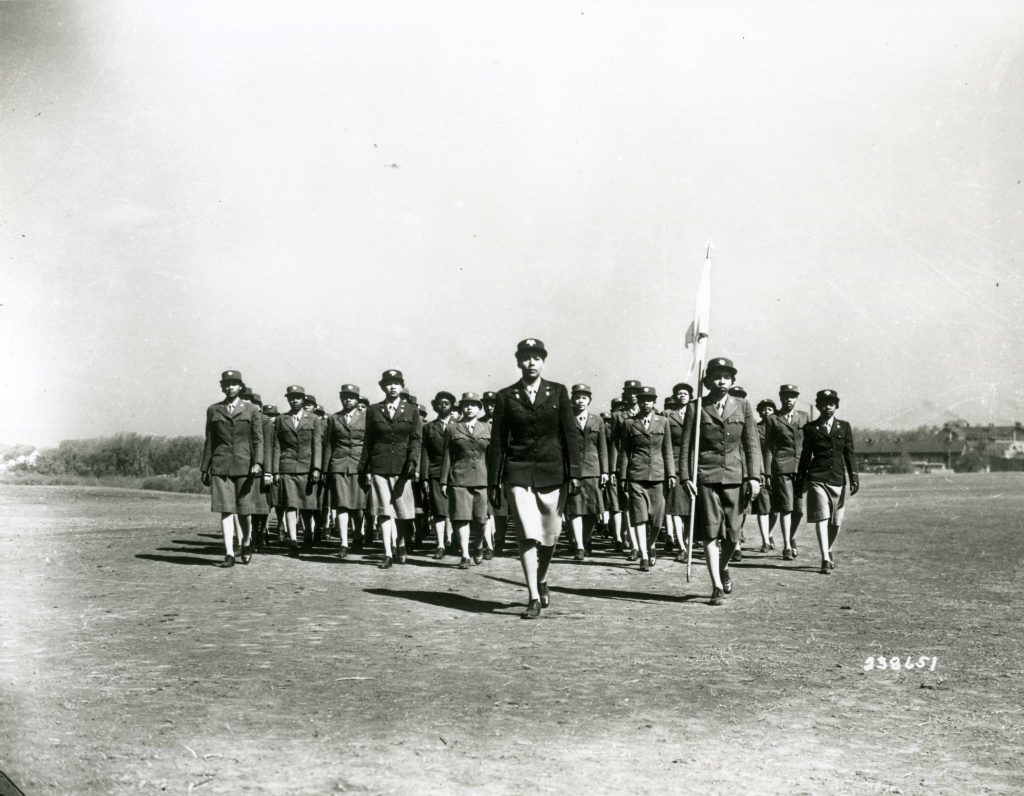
[699,330]
[693,469]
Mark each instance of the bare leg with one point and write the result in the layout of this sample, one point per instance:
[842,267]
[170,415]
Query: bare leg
[246,524]
[821,530]
[785,520]
[290,522]
[387,529]
[462,529]
[528,559]
[577,531]
[341,523]
[763,526]
[640,534]
[712,555]
[544,555]
[833,534]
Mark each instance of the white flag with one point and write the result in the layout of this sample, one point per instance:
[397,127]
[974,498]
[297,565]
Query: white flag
[697,335]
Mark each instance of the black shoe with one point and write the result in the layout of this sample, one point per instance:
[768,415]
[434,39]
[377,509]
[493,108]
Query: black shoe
[787,554]
[771,543]
[293,550]
[764,548]
[488,554]
[737,555]
[343,553]
[400,558]
[832,561]
[246,554]
[653,559]
[385,564]
[580,555]
[439,554]
[618,547]
[229,561]
[717,597]
[532,610]
[825,568]
[633,555]
[794,549]
[645,565]
[545,594]
[464,563]
[478,557]
[726,580]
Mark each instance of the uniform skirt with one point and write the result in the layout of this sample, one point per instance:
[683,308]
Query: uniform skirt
[344,492]
[467,503]
[296,491]
[588,501]
[231,493]
[784,496]
[611,498]
[537,512]
[825,502]
[438,502]
[763,502]
[719,512]
[647,503]
[388,500]
[677,501]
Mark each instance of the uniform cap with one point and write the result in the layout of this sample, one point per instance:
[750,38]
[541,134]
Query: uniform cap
[311,399]
[231,375]
[246,394]
[294,389]
[531,345]
[606,416]
[271,410]
[582,388]
[630,384]
[489,396]
[647,392]
[617,404]
[422,410]
[788,389]
[349,389]
[444,394]
[683,386]
[470,398]
[391,375]
[412,399]
[720,363]
[738,392]
[671,402]
[257,398]
[828,395]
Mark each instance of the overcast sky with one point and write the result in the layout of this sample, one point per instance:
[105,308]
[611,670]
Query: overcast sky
[315,192]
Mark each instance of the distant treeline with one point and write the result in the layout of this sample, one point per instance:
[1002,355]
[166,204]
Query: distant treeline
[170,464]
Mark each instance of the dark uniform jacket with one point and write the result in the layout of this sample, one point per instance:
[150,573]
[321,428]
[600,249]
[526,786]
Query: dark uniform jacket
[529,444]
[233,441]
[392,445]
[646,453]
[464,460]
[297,450]
[432,449]
[591,443]
[828,457]
[783,443]
[618,422]
[343,444]
[729,447]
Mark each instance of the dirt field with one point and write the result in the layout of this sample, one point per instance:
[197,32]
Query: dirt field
[130,664]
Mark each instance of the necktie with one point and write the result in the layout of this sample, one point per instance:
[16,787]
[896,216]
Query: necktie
[647,423]
[295,421]
[391,411]
[789,418]
[582,420]
[347,419]
[231,409]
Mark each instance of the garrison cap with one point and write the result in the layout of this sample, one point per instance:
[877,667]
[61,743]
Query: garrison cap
[311,399]
[827,395]
[582,388]
[531,345]
[720,363]
[489,396]
[630,384]
[231,375]
[444,394]
[647,392]
[470,398]
[294,389]
[270,410]
[683,386]
[617,404]
[788,389]
[349,389]
[392,375]
[737,392]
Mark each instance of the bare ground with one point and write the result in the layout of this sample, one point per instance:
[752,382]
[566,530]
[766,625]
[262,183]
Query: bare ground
[130,664]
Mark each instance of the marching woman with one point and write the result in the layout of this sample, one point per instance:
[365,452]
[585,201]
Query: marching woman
[432,451]
[463,478]
[825,460]
[344,432]
[587,434]
[728,462]
[677,499]
[232,462]
[766,517]
[647,469]
[530,455]
[269,413]
[297,454]
[389,461]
